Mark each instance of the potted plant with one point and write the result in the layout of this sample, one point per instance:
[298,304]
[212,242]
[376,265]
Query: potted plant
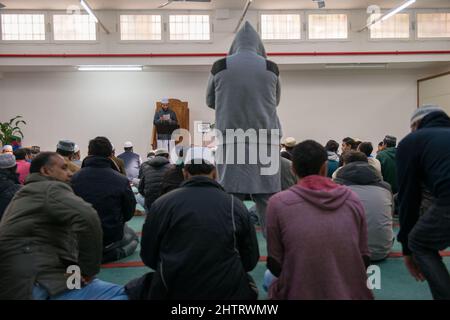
[10,131]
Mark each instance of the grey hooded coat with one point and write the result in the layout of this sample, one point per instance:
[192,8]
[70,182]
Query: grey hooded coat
[244,89]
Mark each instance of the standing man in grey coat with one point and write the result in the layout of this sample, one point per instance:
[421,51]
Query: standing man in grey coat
[244,90]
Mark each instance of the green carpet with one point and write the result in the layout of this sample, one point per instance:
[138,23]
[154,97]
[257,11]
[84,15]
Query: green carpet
[396,283]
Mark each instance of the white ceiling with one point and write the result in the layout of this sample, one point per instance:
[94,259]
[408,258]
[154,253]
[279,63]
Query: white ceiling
[218,4]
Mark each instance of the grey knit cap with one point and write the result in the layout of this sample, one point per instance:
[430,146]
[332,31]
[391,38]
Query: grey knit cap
[66,145]
[423,111]
[7,160]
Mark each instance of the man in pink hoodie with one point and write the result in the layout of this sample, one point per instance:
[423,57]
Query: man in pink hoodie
[316,235]
[23,166]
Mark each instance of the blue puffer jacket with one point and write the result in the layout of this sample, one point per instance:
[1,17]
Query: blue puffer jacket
[110,194]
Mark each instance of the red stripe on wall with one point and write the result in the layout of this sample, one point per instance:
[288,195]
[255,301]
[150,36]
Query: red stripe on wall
[207,55]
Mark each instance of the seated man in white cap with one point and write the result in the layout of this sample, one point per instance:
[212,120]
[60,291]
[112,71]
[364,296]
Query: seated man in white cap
[165,116]
[66,149]
[199,240]
[77,156]
[132,161]
[288,145]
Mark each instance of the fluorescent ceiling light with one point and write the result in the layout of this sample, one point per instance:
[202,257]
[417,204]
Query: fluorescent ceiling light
[88,9]
[390,14]
[110,68]
[397,10]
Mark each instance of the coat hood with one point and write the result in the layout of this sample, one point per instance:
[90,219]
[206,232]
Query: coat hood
[435,120]
[333,156]
[360,173]
[247,39]
[389,153]
[158,161]
[37,177]
[98,162]
[322,192]
[201,181]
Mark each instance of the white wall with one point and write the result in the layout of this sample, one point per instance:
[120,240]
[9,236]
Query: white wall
[320,105]
[436,91]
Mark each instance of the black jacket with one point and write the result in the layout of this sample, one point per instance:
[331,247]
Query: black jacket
[157,121]
[110,194]
[423,158]
[9,185]
[172,179]
[151,175]
[189,240]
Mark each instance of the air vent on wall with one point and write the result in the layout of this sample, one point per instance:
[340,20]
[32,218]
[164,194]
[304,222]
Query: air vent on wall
[320,3]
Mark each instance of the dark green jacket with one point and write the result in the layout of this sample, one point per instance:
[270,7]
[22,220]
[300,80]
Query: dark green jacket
[45,229]
[389,167]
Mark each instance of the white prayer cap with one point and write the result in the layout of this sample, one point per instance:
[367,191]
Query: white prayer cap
[198,154]
[128,144]
[164,100]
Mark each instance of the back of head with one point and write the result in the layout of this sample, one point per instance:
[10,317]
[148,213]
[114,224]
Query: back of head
[349,141]
[308,158]
[424,111]
[390,141]
[290,143]
[100,147]
[41,160]
[161,153]
[7,161]
[199,161]
[35,150]
[366,148]
[66,148]
[248,39]
[7,148]
[198,167]
[354,156]
[332,146]
[20,154]
[128,146]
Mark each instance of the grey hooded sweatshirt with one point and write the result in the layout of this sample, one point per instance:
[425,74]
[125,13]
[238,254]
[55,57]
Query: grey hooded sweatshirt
[376,197]
[244,90]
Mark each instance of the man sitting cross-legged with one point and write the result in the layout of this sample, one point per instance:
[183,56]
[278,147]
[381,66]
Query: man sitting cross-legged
[316,235]
[47,229]
[376,197]
[199,240]
[99,183]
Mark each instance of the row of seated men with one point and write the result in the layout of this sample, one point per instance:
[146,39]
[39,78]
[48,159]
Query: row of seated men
[100,184]
[199,241]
